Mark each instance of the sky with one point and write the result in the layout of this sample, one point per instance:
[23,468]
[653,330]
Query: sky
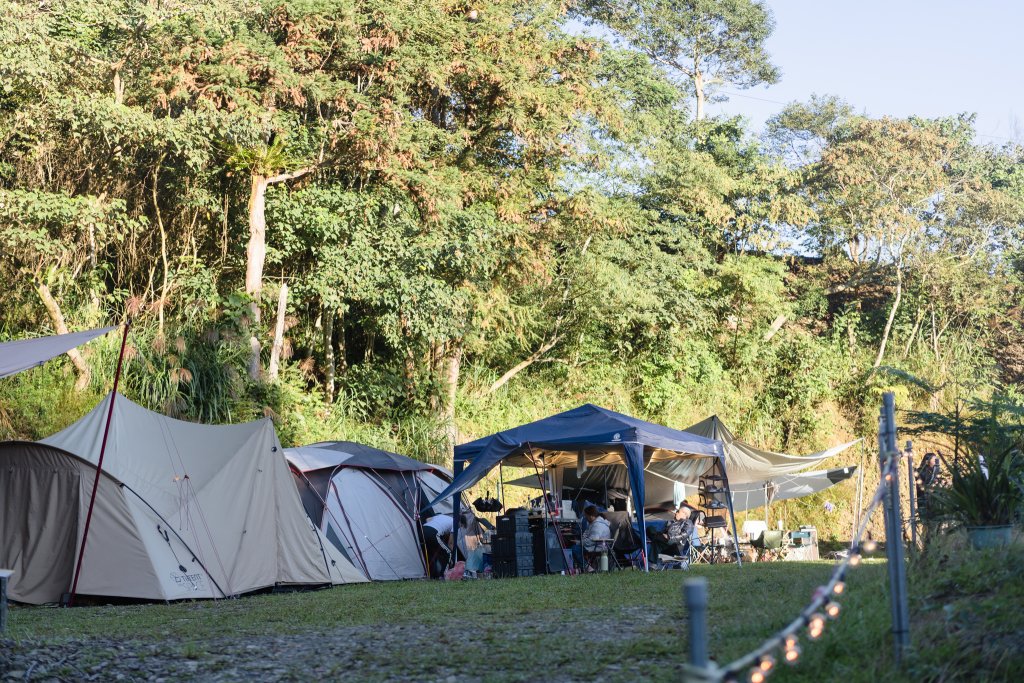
[901,57]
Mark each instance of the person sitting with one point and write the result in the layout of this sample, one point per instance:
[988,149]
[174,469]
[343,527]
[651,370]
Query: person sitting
[597,535]
[680,529]
[436,534]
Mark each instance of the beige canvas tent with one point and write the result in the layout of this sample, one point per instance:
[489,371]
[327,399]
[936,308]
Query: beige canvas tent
[182,511]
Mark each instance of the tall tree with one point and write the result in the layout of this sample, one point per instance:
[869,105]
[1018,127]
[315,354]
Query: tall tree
[707,42]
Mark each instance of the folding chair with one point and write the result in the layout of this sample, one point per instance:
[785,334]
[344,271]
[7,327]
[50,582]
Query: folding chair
[769,546]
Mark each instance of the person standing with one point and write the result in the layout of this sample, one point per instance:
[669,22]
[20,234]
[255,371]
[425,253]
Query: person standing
[437,531]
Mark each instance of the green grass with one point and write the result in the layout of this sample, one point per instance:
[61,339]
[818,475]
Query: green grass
[621,626]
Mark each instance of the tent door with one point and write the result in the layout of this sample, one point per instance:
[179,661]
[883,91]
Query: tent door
[39,530]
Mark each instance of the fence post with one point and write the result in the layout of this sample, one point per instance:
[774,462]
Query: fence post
[4,575]
[887,452]
[911,497]
[695,597]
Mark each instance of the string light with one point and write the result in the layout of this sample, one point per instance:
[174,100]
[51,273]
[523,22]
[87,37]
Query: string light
[761,661]
[816,626]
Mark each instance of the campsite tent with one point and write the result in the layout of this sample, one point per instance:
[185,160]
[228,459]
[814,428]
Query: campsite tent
[582,437]
[366,502]
[182,511]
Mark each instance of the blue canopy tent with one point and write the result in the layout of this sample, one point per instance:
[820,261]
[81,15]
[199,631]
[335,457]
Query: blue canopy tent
[585,436]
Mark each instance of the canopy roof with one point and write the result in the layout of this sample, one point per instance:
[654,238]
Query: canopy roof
[331,454]
[16,356]
[743,462]
[598,435]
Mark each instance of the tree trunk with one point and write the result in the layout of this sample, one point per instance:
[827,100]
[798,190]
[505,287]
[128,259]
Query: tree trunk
[256,256]
[453,367]
[275,351]
[913,332]
[530,360]
[57,318]
[774,329]
[163,247]
[329,353]
[892,316]
[698,88]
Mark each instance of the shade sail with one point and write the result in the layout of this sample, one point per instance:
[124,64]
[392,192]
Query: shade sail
[758,494]
[23,354]
[743,462]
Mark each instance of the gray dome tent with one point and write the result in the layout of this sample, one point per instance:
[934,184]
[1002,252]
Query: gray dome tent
[366,502]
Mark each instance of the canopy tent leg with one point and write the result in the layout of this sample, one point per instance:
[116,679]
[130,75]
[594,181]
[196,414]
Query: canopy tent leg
[633,454]
[732,516]
[457,467]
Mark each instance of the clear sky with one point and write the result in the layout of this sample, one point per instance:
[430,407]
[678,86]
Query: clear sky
[901,57]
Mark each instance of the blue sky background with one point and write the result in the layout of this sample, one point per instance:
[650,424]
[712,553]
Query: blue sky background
[899,58]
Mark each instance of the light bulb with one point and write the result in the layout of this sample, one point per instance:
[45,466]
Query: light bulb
[757,676]
[792,654]
[854,560]
[839,588]
[870,546]
[832,610]
[791,641]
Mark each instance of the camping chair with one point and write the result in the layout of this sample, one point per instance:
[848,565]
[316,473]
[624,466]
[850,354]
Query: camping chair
[769,546]
[626,541]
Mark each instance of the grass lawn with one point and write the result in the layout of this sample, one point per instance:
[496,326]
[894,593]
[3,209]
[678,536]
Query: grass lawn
[622,626]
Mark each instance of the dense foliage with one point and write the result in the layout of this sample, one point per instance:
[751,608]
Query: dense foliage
[417,222]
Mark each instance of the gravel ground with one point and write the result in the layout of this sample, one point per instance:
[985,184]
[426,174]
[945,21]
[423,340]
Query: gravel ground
[542,646]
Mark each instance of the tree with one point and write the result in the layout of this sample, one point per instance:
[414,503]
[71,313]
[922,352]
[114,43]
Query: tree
[708,42]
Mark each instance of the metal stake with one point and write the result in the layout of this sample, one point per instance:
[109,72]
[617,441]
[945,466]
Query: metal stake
[4,575]
[695,597]
[893,532]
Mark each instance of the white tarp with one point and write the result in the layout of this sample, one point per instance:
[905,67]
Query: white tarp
[743,463]
[184,511]
[16,356]
[757,494]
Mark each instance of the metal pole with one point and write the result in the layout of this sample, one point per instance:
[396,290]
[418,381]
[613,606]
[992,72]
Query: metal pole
[695,597]
[99,464]
[911,495]
[893,532]
[4,575]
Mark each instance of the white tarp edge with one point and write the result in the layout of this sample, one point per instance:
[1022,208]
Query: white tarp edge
[23,354]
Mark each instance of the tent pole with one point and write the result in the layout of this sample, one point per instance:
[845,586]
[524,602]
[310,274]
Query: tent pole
[547,517]
[99,464]
[456,513]
[732,516]
[501,482]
